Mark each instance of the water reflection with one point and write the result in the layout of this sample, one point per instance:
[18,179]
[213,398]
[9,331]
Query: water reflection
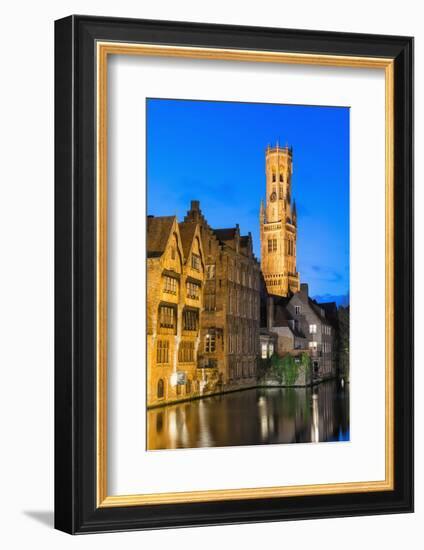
[253,417]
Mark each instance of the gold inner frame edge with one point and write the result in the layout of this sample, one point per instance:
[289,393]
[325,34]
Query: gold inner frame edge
[103,49]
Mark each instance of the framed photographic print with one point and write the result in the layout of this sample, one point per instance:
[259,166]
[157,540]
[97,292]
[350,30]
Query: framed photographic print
[234,274]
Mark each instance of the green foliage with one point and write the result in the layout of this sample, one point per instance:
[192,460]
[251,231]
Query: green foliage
[343,341]
[288,369]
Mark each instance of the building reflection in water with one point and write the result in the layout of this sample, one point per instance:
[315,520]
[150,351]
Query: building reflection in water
[253,417]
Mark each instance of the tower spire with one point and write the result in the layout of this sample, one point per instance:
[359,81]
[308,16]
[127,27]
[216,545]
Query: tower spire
[262,212]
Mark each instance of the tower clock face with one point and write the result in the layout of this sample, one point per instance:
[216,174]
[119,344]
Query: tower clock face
[273,196]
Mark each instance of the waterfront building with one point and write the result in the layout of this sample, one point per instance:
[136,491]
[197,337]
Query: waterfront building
[289,335]
[175,278]
[311,320]
[302,325]
[230,320]
[278,224]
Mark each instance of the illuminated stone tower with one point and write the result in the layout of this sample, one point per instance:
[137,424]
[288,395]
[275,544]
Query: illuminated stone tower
[278,224]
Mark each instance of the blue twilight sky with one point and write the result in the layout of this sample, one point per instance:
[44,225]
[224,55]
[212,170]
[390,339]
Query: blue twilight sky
[215,152]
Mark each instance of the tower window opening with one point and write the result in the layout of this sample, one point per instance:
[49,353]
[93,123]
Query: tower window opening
[274,177]
[281,177]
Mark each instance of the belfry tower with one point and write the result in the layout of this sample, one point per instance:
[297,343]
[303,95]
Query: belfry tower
[278,224]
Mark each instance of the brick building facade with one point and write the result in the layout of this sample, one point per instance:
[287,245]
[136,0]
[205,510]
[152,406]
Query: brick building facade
[175,274]
[230,320]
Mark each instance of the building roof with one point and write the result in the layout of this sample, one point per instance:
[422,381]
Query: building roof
[158,230]
[330,309]
[244,241]
[319,310]
[187,231]
[246,244]
[282,317]
[226,234]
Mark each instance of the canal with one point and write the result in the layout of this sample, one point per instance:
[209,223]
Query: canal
[253,417]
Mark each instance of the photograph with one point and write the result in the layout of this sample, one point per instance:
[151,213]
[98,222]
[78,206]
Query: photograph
[248,296]
[234,269]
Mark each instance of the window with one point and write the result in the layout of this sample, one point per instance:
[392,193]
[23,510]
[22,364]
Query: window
[191,319]
[312,329]
[210,271]
[195,262]
[297,310]
[162,351]
[264,352]
[274,177]
[160,389]
[193,290]
[186,352]
[290,247]
[313,346]
[270,349]
[167,317]
[170,285]
[210,301]
[210,341]
[272,245]
[188,387]
[173,253]
[281,177]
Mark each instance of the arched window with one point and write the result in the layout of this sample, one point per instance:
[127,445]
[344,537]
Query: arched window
[161,389]
[188,386]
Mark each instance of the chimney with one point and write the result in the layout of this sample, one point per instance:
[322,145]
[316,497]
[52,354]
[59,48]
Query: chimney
[304,290]
[270,312]
[195,205]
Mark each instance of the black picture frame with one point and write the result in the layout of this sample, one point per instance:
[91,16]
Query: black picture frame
[76,510]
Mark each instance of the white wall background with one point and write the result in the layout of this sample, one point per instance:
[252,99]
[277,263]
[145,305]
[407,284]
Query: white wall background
[26,274]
